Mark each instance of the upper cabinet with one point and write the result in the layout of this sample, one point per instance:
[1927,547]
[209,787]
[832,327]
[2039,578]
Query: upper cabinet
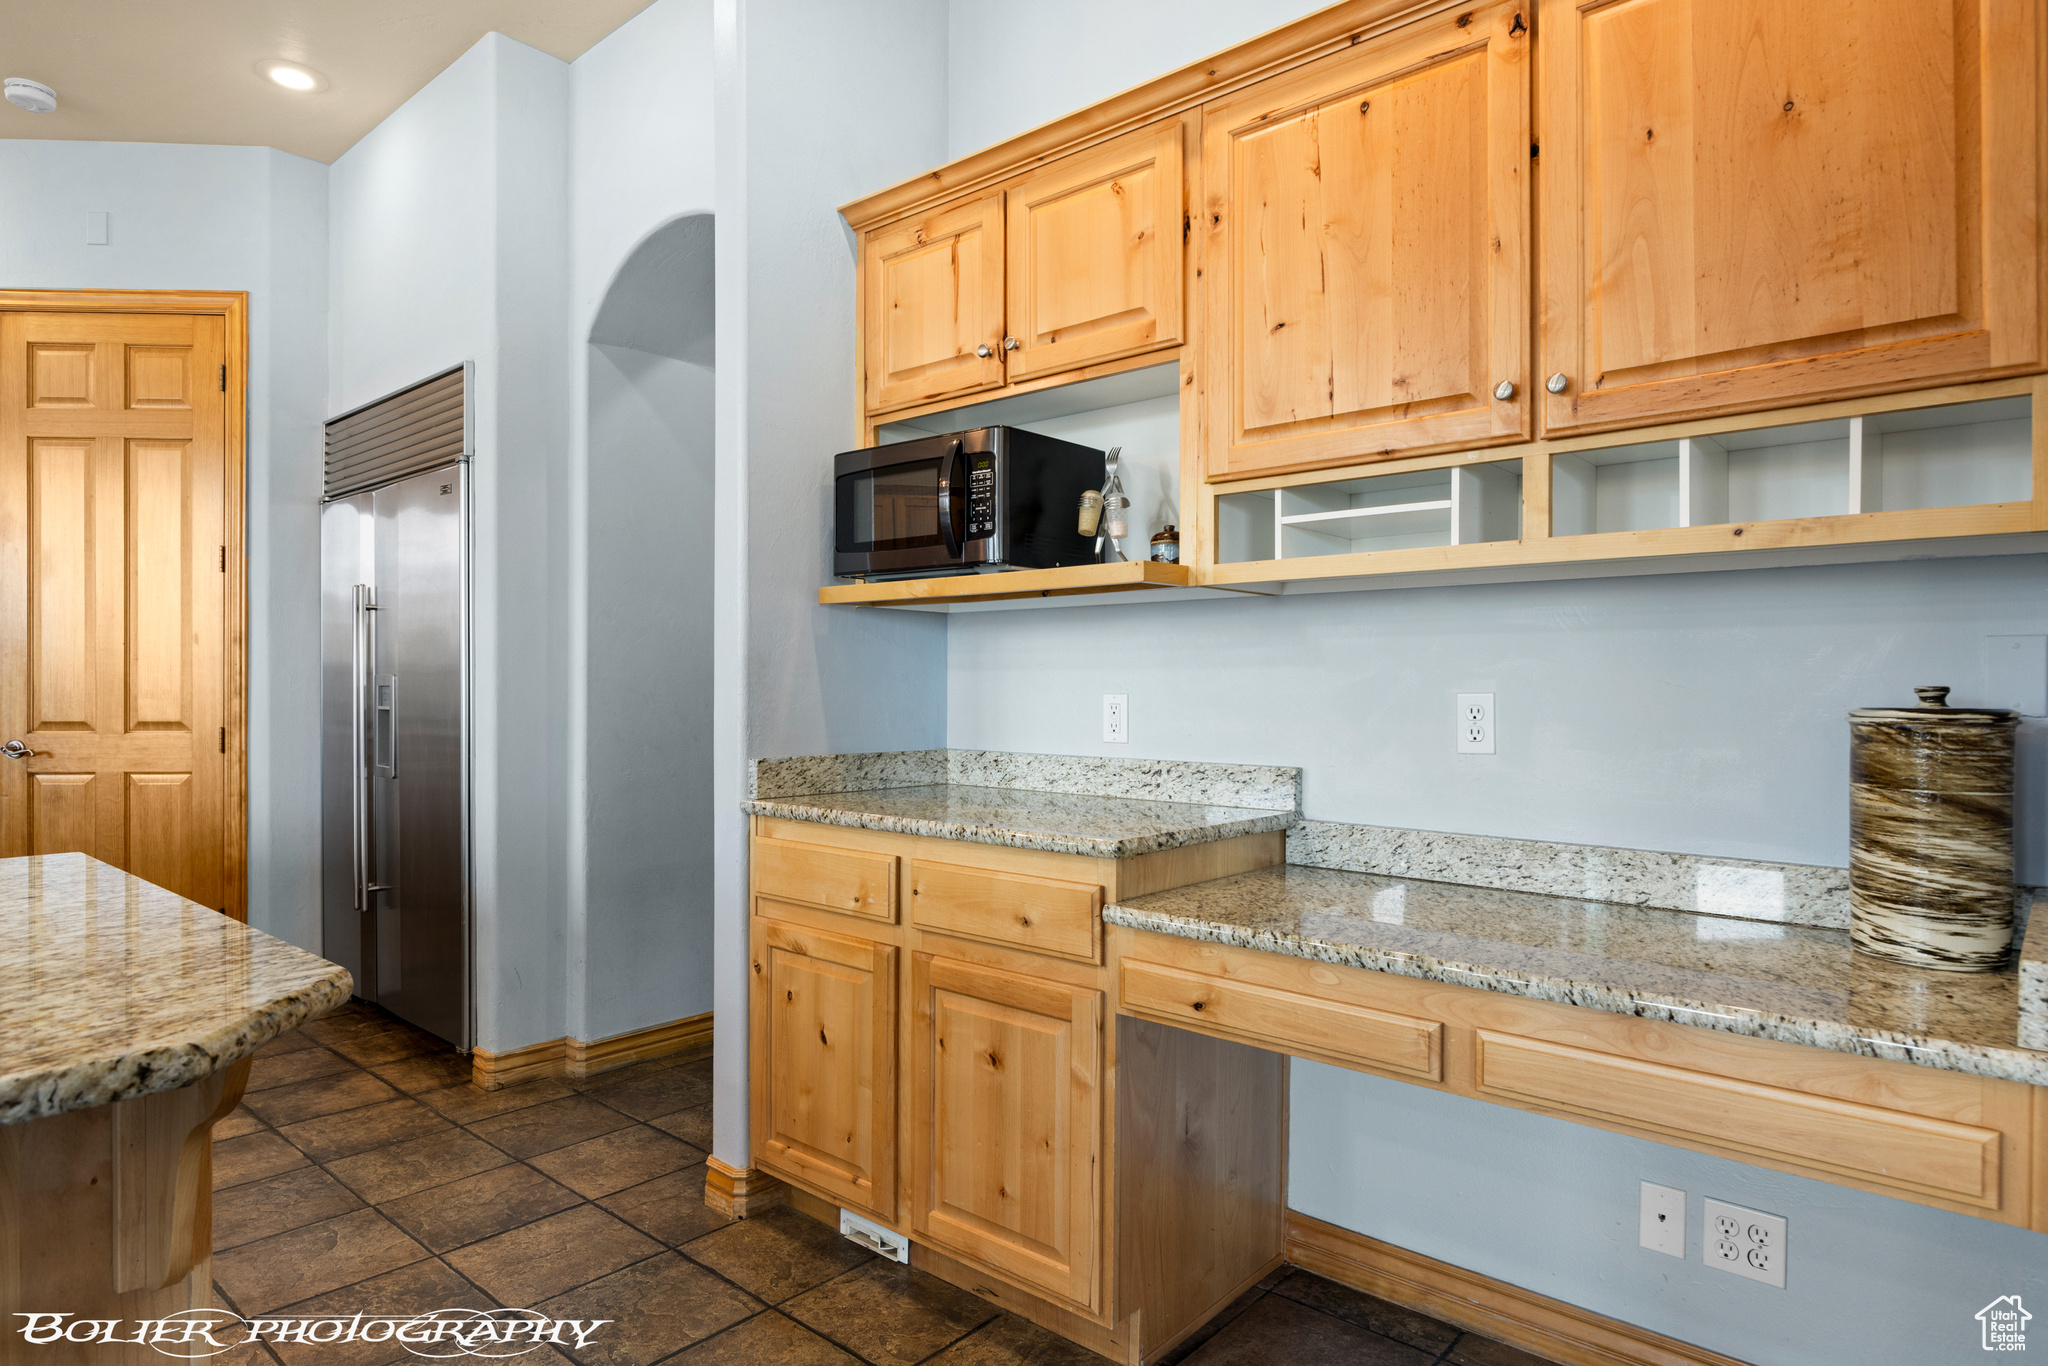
[1749,204]
[932,306]
[1091,245]
[1095,255]
[1366,265]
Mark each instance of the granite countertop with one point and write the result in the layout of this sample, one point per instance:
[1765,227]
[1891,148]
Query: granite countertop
[1798,983]
[111,987]
[1021,818]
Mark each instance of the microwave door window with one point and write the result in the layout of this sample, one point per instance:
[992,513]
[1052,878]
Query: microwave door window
[895,508]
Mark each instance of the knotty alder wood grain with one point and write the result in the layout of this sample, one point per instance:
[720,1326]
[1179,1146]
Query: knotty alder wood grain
[1750,204]
[846,880]
[1095,254]
[933,301]
[1957,1142]
[1035,913]
[1366,275]
[114,657]
[823,1041]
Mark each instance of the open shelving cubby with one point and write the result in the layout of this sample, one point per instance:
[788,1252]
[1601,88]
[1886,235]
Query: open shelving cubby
[1453,505]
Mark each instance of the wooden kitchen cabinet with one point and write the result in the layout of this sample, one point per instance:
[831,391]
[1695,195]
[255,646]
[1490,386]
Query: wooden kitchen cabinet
[1749,204]
[1366,263]
[1095,251]
[953,1073]
[932,304]
[1008,1121]
[824,1059]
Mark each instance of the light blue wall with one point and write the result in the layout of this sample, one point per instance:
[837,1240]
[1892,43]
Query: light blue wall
[246,218]
[1552,1206]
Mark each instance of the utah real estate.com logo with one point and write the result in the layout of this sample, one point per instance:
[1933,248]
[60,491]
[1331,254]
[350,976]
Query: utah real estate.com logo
[2005,1324]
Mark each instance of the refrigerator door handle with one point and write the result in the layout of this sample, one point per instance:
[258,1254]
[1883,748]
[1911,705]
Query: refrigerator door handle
[365,644]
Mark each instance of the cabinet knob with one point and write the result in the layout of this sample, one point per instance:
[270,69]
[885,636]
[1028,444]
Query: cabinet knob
[1011,343]
[1557,383]
[983,351]
[1504,390]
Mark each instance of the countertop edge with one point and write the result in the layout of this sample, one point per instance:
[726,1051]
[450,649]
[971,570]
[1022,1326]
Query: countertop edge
[2004,1064]
[91,1082]
[783,808]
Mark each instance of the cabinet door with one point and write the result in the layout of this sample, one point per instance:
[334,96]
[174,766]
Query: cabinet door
[824,1062]
[1008,1121]
[1366,277]
[1095,255]
[1749,204]
[932,310]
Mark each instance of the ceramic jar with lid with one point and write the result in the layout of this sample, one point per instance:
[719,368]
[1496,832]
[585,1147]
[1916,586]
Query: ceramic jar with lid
[1930,833]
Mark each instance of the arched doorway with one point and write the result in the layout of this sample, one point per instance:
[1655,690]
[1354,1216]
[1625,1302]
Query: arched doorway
[649,662]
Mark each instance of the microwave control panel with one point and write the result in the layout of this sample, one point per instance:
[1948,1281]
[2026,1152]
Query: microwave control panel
[981,497]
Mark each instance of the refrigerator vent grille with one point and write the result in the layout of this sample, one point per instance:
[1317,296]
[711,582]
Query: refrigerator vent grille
[416,429]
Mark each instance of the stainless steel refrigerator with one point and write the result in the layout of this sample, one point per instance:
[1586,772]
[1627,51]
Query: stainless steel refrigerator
[395,749]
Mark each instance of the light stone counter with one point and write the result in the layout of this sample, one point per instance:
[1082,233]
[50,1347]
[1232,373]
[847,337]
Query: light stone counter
[1798,983]
[1065,804]
[112,988]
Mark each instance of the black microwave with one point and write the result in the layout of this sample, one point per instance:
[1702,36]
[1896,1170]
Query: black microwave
[992,498]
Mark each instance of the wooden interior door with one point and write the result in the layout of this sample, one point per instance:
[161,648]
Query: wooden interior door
[1008,1116]
[824,1062]
[1366,263]
[113,593]
[1095,255]
[932,304]
[1749,204]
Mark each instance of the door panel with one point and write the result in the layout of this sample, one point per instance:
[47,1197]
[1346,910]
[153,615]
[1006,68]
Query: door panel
[1367,281]
[113,593]
[1746,205]
[932,300]
[1094,245]
[1008,1120]
[824,1055]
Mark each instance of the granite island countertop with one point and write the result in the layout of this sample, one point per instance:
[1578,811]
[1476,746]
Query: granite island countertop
[1022,818]
[1797,983]
[112,987]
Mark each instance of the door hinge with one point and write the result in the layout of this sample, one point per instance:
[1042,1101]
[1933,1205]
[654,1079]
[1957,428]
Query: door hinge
[223,739]
[223,378]
[1535,149]
[223,559]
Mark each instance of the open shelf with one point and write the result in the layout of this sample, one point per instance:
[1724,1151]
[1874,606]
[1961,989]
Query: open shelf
[1461,505]
[1131,576]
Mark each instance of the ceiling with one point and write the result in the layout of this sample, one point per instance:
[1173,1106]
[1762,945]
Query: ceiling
[159,71]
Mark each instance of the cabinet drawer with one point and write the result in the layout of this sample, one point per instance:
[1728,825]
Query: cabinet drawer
[1036,913]
[1885,1147]
[848,880]
[1285,1021]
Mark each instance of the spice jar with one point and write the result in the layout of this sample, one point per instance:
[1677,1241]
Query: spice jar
[1930,833]
[1166,546]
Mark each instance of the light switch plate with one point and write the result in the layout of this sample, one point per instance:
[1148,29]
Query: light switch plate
[1662,1227]
[96,228]
[1745,1241]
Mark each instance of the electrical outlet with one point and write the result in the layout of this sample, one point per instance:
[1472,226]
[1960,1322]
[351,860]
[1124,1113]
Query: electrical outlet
[1662,1224]
[1116,718]
[1475,723]
[1744,1241]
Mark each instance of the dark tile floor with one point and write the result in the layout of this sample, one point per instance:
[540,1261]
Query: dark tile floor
[362,1173]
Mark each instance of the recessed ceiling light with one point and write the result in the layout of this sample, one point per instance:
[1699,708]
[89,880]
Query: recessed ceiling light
[33,96]
[291,75]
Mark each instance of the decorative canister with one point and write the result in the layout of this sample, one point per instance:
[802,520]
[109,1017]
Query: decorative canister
[1930,833]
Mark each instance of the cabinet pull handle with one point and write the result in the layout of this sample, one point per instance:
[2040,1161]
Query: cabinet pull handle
[1504,390]
[1557,383]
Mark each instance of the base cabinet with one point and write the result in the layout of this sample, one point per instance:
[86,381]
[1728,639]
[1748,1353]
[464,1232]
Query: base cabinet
[824,1041]
[1008,1119]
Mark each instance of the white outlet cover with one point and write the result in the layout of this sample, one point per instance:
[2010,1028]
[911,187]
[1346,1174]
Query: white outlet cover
[1475,723]
[1662,1226]
[1116,718]
[1746,1242]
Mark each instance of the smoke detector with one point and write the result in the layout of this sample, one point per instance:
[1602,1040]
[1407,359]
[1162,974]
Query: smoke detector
[33,96]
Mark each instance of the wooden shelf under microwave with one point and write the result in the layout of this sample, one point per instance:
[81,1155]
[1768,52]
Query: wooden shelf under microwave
[1130,576]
